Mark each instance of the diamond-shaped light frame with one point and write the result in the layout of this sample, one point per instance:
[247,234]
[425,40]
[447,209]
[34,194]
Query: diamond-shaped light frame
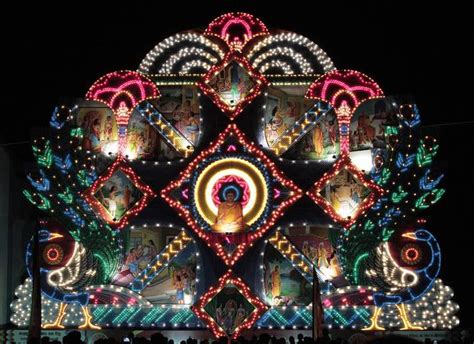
[342,163]
[229,278]
[259,80]
[147,193]
[184,209]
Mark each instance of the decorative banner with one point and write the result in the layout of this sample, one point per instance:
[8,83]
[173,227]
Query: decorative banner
[281,243]
[173,144]
[229,307]
[170,276]
[232,84]
[118,194]
[164,129]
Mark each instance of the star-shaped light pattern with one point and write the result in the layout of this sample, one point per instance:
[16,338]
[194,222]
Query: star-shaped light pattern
[202,308]
[229,94]
[101,204]
[273,193]
[329,192]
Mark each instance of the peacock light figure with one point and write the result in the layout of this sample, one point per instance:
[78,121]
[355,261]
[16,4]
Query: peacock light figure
[372,245]
[66,269]
[402,273]
[78,250]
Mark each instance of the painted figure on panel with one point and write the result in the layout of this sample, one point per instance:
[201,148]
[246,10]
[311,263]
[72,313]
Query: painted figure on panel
[230,216]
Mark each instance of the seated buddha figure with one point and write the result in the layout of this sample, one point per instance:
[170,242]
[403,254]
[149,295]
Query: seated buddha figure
[230,217]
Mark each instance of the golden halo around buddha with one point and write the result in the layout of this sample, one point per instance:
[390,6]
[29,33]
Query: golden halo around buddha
[226,167]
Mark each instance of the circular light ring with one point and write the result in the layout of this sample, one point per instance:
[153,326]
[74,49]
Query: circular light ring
[53,254]
[411,254]
[240,168]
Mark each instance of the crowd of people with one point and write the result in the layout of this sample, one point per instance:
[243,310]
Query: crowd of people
[464,337]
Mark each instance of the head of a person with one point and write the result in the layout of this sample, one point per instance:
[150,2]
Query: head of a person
[96,124]
[230,196]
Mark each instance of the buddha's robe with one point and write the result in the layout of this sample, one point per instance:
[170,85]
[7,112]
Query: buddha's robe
[229,217]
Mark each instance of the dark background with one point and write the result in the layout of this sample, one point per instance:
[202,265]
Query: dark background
[54,51]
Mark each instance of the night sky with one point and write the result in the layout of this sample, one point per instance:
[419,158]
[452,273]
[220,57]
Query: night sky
[52,52]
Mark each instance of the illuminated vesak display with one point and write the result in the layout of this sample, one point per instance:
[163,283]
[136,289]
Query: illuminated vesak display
[210,187]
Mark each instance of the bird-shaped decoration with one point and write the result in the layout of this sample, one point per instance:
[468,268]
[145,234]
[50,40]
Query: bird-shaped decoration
[80,250]
[384,252]
[396,273]
[66,269]
[76,250]
[402,272]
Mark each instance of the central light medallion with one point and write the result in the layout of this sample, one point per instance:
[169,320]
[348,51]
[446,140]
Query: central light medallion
[231,194]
